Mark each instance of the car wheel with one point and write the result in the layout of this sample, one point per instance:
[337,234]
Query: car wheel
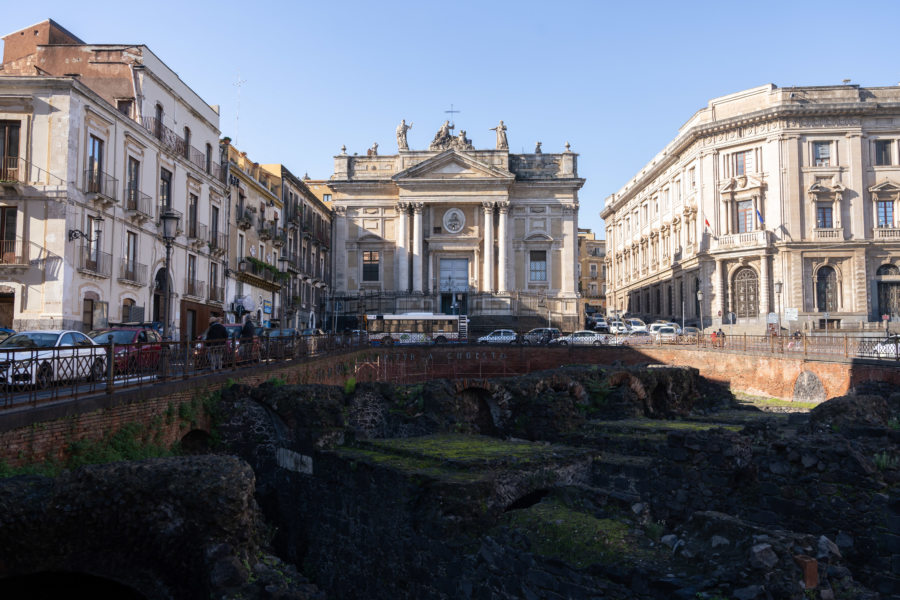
[44,376]
[596,342]
[440,340]
[526,343]
[563,343]
[388,341]
[96,370]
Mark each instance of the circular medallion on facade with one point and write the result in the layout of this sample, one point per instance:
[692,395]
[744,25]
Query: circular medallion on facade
[454,220]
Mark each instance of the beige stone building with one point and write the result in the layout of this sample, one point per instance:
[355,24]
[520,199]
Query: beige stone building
[96,141]
[452,229]
[769,200]
[592,270]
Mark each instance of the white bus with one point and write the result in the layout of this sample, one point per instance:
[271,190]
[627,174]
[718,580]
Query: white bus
[416,328]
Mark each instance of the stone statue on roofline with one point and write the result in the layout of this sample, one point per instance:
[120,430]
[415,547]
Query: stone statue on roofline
[402,128]
[442,138]
[502,144]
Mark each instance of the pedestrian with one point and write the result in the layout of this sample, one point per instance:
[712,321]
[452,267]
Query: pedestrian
[712,338]
[215,343]
[720,335]
[248,332]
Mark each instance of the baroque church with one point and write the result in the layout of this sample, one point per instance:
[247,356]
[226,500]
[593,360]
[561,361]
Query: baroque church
[457,230]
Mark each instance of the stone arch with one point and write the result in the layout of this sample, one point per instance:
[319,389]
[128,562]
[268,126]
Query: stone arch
[825,280]
[885,269]
[808,388]
[744,292]
[888,283]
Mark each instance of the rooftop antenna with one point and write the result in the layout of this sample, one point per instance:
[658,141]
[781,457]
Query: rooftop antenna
[451,111]
[237,113]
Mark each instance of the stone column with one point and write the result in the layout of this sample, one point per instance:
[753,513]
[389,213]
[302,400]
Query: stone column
[487,284]
[718,304]
[401,277]
[764,285]
[417,246]
[339,251]
[502,247]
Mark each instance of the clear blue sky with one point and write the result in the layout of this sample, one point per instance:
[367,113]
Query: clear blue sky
[615,79]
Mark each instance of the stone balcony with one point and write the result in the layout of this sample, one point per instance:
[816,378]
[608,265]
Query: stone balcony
[741,241]
[828,234]
[886,233]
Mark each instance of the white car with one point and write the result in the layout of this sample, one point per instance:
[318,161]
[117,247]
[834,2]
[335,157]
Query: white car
[637,338]
[655,326]
[499,336]
[42,357]
[666,334]
[636,324]
[887,348]
[581,338]
[618,327]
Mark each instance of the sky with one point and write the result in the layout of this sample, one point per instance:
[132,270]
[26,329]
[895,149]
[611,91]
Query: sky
[296,80]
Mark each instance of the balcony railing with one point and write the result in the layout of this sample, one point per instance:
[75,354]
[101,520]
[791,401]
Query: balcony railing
[18,170]
[216,294]
[216,240]
[94,262]
[197,231]
[138,202]
[279,238]
[886,233]
[244,218]
[132,272]
[163,208]
[195,288]
[751,239]
[266,231]
[175,144]
[100,184]
[13,253]
[828,234]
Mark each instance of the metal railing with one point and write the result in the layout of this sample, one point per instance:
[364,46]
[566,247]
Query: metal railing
[162,208]
[217,240]
[244,218]
[14,169]
[216,294]
[197,231]
[132,272]
[101,184]
[139,202]
[195,288]
[175,144]
[13,252]
[93,261]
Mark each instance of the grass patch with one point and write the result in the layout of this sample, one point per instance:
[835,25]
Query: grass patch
[885,461]
[465,449]
[579,539]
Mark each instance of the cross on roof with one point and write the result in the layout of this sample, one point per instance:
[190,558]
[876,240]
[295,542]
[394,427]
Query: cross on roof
[451,111]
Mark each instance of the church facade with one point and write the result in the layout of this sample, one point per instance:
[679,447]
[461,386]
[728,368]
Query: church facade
[456,230]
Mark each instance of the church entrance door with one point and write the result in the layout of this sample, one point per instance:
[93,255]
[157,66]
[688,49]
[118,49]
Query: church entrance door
[454,285]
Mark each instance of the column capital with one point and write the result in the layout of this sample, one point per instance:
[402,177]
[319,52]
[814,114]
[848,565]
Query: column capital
[340,211]
[488,205]
[503,207]
[403,206]
[417,207]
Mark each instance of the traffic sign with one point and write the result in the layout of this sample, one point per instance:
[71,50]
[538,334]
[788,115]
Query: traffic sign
[772,318]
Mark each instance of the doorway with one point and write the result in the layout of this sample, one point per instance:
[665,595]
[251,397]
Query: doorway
[453,284]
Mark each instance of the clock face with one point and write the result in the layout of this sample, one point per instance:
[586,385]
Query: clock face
[454,220]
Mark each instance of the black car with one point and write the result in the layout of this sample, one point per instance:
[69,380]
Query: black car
[541,335]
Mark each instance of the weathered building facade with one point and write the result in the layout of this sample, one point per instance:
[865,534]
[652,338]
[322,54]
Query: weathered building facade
[592,269]
[91,156]
[768,199]
[457,230]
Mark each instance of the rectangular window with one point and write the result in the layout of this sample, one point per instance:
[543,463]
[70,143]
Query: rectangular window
[743,162]
[593,270]
[692,178]
[745,216]
[165,188]
[883,152]
[370,266]
[95,165]
[124,106]
[191,272]
[131,250]
[214,223]
[9,150]
[885,213]
[326,197]
[538,265]
[240,247]
[192,215]
[213,276]
[822,154]
[94,242]
[133,184]
[824,216]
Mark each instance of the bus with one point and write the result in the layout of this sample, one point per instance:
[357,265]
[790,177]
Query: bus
[416,328]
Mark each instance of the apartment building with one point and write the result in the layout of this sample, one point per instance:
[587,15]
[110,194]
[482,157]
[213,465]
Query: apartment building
[592,269]
[776,204]
[96,141]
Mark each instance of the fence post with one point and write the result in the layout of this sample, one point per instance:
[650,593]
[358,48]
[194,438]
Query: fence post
[110,364]
[846,346]
[745,341]
[805,346]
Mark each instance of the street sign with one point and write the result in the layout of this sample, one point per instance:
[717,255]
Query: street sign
[790,314]
[772,318]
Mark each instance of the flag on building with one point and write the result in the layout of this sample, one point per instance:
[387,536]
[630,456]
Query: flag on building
[759,216]
[705,220]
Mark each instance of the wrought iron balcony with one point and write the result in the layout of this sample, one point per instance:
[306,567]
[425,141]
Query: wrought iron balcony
[94,262]
[279,238]
[132,272]
[265,231]
[100,186]
[244,218]
[163,208]
[217,294]
[13,253]
[217,241]
[138,203]
[195,288]
[197,232]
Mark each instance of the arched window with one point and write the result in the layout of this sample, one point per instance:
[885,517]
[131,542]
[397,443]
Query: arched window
[888,290]
[887,270]
[826,290]
[745,302]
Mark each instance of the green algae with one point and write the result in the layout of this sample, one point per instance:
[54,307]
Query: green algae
[659,425]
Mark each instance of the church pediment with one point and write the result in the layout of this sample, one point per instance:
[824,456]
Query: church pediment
[451,165]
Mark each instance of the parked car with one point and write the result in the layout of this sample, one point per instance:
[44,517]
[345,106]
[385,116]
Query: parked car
[541,335]
[601,326]
[636,325]
[42,357]
[690,334]
[499,336]
[655,326]
[136,348]
[278,343]
[666,334]
[5,333]
[618,327]
[581,338]
[237,349]
[637,338]
[886,348]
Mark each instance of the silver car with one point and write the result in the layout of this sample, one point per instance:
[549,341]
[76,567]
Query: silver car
[499,336]
[581,338]
[40,358]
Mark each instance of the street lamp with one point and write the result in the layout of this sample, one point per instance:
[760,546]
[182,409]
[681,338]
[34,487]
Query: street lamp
[778,285]
[169,220]
[74,234]
[282,268]
[700,306]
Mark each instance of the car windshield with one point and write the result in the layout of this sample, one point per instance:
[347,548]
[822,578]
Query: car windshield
[30,340]
[119,336]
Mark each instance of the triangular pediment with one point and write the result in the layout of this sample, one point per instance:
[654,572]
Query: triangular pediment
[451,165]
[885,187]
[741,183]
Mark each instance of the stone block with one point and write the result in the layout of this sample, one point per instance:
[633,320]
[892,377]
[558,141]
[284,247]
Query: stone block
[810,569]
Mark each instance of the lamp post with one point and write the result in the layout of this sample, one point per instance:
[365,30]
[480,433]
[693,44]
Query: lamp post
[169,220]
[700,306]
[778,285]
[282,268]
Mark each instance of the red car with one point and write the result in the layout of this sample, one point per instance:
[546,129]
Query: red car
[136,348]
